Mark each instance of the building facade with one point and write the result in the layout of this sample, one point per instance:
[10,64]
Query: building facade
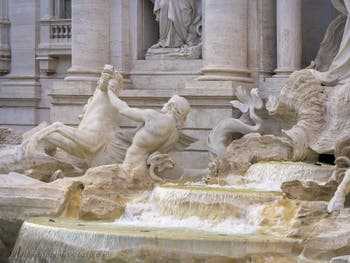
[52,52]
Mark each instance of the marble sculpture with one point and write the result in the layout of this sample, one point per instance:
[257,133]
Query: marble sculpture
[228,129]
[180,29]
[157,134]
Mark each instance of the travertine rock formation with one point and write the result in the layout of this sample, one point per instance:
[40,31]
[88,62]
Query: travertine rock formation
[342,175]
[251,149]
[8,137]
[329,237]
[101,193]
[106,191]
[309,190]
[22,197]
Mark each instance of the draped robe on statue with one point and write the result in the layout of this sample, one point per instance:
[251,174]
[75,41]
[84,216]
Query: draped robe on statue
[339,70]
[177,21]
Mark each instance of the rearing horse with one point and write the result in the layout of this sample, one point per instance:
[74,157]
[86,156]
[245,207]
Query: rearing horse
[94,140]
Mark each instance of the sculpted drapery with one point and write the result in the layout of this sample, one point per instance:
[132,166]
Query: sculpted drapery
[339,70]
[178,22]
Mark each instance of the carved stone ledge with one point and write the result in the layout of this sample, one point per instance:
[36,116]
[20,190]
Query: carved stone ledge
[47,64]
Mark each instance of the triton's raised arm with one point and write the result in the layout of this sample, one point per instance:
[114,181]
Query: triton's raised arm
[123,108]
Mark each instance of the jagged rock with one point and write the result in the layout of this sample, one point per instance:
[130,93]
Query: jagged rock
[330,237]
[307,214]
[101,193]
[22,197]
[291,218]
[309,191]
[39,165]
[96,207]
[250,149]
[8,137]
[107,189]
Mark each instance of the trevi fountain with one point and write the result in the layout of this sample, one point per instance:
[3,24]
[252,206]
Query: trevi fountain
[95,192]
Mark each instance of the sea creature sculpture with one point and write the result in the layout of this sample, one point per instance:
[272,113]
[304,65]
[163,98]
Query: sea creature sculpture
[94,140]
[228,129]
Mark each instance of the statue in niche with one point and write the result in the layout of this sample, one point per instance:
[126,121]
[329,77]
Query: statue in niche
[336,71]
[180,23]
[98,140]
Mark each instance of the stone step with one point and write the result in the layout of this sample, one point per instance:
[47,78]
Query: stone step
[34,202]
[32,191]
[66,240]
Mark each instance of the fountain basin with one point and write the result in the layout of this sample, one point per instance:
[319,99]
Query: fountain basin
[67,240]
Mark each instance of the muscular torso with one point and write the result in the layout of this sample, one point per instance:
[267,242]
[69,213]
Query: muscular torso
[159,128]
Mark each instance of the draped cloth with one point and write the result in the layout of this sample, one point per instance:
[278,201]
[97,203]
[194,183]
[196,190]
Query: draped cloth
[339,70]
[177,19]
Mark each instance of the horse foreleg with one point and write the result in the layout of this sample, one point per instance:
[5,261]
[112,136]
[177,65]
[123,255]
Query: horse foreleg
[338,200]
[67,145]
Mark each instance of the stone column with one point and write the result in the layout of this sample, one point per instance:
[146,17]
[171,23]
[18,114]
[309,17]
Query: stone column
[4,38]
[90,38]
[225,41]
[45,9]
[267,36]
[289,36]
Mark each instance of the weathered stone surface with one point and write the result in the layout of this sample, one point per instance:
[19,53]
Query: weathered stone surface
[96,207]
[101,193]
[39,165]
[8,137]
[330,237]
[307,214]
[342,175]
[291,218]
[309,190]
[22,197]
[107,189]
[250,149]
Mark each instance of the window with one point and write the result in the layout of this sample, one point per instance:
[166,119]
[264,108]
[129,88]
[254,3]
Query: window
[62,8]
[66,9]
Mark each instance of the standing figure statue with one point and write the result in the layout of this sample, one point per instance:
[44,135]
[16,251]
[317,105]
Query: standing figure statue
[179,22]
[338,71]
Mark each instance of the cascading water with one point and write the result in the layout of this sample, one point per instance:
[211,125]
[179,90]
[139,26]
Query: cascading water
[270,176]
[215,209]
[177,222]
[171,222]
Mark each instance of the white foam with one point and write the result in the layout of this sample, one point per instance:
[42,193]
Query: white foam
[146,214]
